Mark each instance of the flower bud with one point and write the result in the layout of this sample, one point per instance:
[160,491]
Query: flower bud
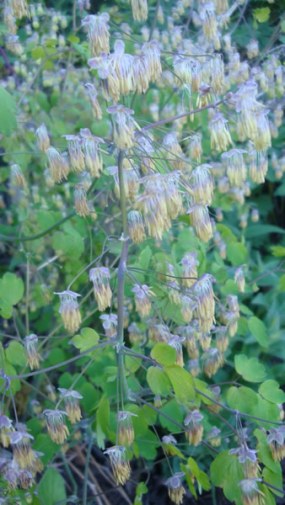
[219,133]
[200,220]
[71,402]
[58,165]
[214,437]
[251,494]
[276,441]
[98,33]
[17,177]
[175,489]
[125,428]
[212,360]
[57,430]
[69,310]
[142,299]
[6,428]
[194,428]
[43,138]
[110,323]
[100,277]
[119,463]
[22,451]
[33,356]
[76,156]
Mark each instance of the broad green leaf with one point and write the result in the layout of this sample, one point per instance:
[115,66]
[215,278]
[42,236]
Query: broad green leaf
[164,354]
[147,444]
[258,329]
[261,14]
[249,368]
[242,399]
[171,416]
[226,472]
[51,488]
[11,290]
[274,478]
[90,395]
[132,364]
[237,253]
[182,383]
[46,446]
[158,381]
[270,390]
[278,251]
[68,244]
[8,120]
[227,235]
[87,339]
[16,354]
[262,229]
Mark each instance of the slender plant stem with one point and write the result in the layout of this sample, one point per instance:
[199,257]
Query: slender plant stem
[87,463]
[63,363]
[179,116]
[7,238]
[27,294]
[121,282]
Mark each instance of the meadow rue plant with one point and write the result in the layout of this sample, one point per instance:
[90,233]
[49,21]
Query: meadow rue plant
[142,169]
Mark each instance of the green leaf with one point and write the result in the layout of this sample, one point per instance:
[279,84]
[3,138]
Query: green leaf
[69,244]
[242,399]
[264,453]
[132,364]
[102,421]
[171,416]
[8,120]
[274,478]
[141,489]
[270,390]
[158,381]
[87,339]
[226,472]
[258,329]
[145,257]
[237,253]
[201,476]
[249,368]
[16,354]
[278,251]
[90,396]
[182,383]
[164,354]
[45,445]
[11,292]
[262,229]
[262,14]
[51,488]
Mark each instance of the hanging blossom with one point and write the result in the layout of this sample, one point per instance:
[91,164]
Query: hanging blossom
[123,126]
[69,310]
[98,33]
[119,463]
[176,490]
[100,277]
[71,402]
